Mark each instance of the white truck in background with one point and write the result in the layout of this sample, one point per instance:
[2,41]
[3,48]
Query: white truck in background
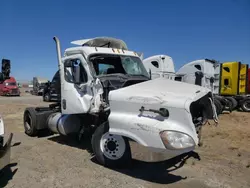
[203,72]
[107,92]
[160,66]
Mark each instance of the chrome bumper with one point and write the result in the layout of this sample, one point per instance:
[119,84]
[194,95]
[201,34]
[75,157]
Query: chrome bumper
[5,153]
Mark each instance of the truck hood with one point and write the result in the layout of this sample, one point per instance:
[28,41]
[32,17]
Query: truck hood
[134,111]
[171,93]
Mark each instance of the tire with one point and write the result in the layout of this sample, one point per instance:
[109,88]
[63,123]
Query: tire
[233,102]
[46,97]
[29,122]
[245,105]
[218,106]
[112,151]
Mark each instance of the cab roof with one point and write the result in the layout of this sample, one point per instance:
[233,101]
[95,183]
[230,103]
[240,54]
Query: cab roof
[108,42]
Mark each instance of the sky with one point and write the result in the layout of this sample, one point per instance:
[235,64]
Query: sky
[186,30]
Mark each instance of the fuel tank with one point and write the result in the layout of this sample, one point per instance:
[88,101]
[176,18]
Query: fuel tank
[63,124]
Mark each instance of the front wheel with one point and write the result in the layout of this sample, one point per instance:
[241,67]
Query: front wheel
[110,150]
[46,97]
[245,105]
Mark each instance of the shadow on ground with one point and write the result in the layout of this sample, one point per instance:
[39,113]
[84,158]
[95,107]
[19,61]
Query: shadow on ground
[7,174]
[72,141]
[156,172]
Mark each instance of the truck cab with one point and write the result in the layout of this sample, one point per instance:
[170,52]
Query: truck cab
[9,87]
[203,72]
[160,66]
[52,90]
[107,92]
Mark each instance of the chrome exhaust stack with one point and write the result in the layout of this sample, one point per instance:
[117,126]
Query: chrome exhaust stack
[60,64]
[58,49]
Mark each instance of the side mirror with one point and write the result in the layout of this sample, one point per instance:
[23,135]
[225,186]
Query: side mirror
[76,73]
[198,78]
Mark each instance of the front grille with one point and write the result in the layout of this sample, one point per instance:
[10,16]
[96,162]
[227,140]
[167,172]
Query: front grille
[14,91]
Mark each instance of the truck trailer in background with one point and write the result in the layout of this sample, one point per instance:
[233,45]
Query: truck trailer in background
[38,85]
[248,81]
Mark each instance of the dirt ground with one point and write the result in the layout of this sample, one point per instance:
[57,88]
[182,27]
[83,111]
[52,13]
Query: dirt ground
[222,161]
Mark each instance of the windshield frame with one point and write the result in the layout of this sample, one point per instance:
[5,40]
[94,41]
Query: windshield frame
[144,72]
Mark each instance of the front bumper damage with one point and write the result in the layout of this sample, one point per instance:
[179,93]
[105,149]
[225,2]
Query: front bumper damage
[11,92]
[5,151]
[201,113]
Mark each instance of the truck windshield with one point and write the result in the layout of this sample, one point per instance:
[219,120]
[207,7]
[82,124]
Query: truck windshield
[10,83]
[115,64]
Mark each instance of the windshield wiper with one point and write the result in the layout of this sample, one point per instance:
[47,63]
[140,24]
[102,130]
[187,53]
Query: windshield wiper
[138,75]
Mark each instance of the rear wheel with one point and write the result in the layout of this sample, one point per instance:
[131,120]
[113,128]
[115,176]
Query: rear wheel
[218,106]
[245,105]
[29,122]
[110,150]
[233,102]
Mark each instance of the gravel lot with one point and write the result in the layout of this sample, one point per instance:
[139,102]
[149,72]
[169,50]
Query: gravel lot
[62,162]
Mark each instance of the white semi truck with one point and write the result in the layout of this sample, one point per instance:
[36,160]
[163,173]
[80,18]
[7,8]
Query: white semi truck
[160,66]
[107,92]
[4,147]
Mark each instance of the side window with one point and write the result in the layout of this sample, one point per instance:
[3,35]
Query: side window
[155,63]
[226,82]
[226,69]
[178,78]
[68,72]
[198,67]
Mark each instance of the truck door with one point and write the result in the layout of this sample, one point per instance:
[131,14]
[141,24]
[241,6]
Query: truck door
[78,97]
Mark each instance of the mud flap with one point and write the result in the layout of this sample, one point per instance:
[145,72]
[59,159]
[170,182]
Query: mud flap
[5,153]
[215,115]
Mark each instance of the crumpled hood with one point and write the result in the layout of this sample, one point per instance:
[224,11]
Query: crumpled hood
[161,90]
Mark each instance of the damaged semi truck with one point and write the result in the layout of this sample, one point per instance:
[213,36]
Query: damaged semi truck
[106,92]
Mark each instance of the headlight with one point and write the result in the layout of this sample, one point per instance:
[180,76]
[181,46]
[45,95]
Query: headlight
[176,140]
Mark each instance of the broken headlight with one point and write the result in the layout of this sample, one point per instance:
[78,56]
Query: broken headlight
[176,140]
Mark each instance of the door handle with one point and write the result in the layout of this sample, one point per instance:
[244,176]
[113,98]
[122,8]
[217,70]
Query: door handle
[162,111]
